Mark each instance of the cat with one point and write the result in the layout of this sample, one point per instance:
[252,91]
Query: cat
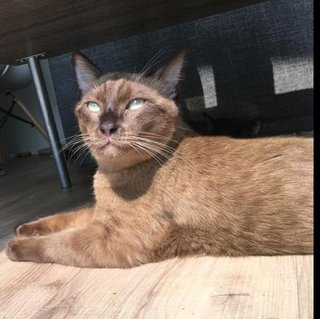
[162,191]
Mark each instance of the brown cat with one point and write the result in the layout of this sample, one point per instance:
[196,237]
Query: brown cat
[162,191]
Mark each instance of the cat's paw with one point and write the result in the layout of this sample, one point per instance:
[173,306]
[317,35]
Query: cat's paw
[24,249]
[29,230]
[14,250]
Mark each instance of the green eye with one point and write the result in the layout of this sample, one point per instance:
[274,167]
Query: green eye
[94,107]
[135,104]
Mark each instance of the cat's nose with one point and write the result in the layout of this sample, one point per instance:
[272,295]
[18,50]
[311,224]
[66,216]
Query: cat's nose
[108,128]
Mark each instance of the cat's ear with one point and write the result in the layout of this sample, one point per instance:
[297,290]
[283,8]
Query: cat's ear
[170,74]
[86,72]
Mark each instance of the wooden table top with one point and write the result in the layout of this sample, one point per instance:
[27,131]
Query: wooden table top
[56,27]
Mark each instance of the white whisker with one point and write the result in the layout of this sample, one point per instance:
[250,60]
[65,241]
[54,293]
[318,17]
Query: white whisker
[152,62]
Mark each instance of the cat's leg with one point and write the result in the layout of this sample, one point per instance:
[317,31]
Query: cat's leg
[54,223]
[90,246]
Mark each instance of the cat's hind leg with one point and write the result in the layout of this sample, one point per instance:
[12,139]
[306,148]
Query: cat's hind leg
[54,223]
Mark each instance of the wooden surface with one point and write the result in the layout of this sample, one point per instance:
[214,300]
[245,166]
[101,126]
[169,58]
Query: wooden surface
[206,287]
[29,28]
[203,287]
[31,189]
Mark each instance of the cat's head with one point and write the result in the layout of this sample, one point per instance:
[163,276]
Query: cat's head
[127,117]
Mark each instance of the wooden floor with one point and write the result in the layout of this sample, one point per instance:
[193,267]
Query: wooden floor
[31,189]
[206,287]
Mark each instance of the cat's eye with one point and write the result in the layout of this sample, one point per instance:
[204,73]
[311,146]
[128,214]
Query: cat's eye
[93,106]
[135,104]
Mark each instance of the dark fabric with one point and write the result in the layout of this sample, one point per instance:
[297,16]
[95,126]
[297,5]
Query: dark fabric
[255,62]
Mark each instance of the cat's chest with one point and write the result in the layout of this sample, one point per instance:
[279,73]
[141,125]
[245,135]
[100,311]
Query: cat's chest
[122,192]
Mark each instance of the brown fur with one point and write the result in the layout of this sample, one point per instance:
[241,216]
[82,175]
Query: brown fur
[210,195]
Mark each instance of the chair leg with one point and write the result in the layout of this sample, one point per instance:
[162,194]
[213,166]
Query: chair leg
[51,128]
[31,117]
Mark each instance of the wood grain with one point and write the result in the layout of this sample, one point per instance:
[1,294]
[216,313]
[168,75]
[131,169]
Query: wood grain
[205,287]
[29,28]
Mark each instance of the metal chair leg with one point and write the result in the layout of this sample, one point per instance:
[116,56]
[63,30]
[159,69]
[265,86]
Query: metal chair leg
[51,128]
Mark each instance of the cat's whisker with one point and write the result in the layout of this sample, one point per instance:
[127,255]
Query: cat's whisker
[86,154]
[154,149]
[164,150]
[71,80]
[74,154]
[157,143]
[160,149]
[77,151]
[184,128]
[73,143]
[137,149]
[146,142]
[147,148]
[147,67]
[70,139]
[149,134]
[81,157]
[148,152]
[152,62]
[79,137]
[160,146]
[95,85]
[156,81]
[143,150]
[78,147]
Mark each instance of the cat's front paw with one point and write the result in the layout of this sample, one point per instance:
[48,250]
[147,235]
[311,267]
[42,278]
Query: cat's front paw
[23,250]
[29,230]
[13,250]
